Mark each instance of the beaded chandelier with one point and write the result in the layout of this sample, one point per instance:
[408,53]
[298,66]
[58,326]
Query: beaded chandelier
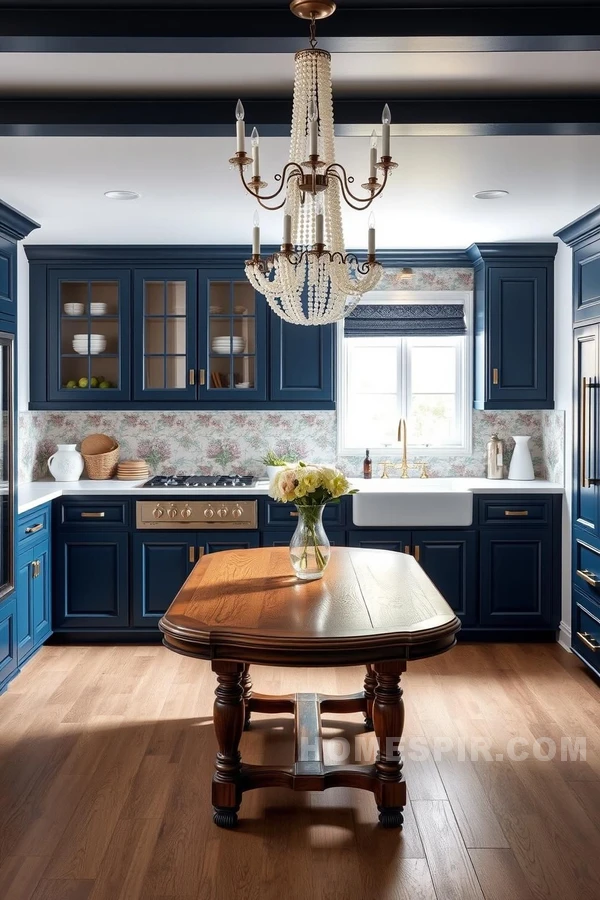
[312,280]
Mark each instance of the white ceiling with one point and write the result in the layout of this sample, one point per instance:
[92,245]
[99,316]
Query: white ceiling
[357,74]
[189,194]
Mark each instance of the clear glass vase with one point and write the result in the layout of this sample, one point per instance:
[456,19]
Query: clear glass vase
[309,547]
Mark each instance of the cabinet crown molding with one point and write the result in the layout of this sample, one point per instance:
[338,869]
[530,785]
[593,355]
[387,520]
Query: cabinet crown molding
[580,230]
[14,224]
[507,250]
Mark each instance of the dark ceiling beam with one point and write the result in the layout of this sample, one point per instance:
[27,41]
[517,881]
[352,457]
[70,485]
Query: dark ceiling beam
[215,118]
[276,30]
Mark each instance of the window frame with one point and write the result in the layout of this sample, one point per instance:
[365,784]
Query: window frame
[464,393]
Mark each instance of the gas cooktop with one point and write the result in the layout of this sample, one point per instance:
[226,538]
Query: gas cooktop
[201,481]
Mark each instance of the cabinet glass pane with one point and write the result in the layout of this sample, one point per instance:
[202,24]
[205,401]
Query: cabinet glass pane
[165,335]
[232,336]
[89,335]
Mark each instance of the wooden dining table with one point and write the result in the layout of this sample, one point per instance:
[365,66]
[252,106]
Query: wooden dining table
[375,608]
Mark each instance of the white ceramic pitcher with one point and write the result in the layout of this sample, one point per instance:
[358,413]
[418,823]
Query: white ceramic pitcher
[66,464]
[521,466]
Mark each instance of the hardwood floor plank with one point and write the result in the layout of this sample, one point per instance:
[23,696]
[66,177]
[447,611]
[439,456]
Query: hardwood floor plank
[126,860]
[63,889]
[500,875]
[448,859]
[20,875]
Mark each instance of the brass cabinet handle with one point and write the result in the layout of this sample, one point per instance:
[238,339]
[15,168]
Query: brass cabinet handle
[294,515]
[200,553]
[590,642]
[192,554]
[516,512]
[407,548]
[31,529]
[588,577]
[584,478]
[417,552]
[192,376]
[92,515]
[201,376]
[495,376]
[35,568]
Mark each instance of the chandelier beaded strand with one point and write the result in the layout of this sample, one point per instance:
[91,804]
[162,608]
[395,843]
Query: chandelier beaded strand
[312,280]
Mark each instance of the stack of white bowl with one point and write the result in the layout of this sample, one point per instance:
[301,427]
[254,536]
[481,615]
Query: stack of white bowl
[227,345]
[92,344]
[98,309]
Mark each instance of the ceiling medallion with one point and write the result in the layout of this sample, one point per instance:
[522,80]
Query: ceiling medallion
[312,280]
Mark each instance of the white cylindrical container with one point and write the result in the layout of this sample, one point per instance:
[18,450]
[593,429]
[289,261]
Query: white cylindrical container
[521,466]
[66,464]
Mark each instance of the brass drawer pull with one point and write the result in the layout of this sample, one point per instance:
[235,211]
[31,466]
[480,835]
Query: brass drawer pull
[200,553]
[590,642]
[516,512]
[192,376]
[495,376]
[201,377]
[31,529]
[192,554]
[417,552]
[92,515]
[407,548]
[588,577]
[294,515]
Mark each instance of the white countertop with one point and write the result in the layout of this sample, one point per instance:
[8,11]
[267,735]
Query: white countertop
[36,493]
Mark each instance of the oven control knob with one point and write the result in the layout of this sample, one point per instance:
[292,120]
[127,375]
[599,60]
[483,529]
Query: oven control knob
[158,512]
[186,512]
[222,512]
[237,512]
[172,512]
[209,512]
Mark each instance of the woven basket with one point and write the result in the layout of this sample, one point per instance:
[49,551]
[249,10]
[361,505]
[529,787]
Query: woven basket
[94,444]
[100,466]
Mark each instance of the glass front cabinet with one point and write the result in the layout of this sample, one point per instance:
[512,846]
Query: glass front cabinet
[89,331]
[154,334]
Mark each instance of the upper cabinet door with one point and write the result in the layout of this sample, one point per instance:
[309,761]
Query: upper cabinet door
[165,351]
[89,336]
[586,282]
[8,278]
[302,363]
[232,339]
[518,323]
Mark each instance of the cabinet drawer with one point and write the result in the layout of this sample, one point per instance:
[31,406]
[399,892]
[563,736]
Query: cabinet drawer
[586,570]
[586,630]
[278,515]
[515,511]
[33,525]
[282,538]
[95,513]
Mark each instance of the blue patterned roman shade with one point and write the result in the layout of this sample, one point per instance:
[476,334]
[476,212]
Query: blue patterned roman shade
[406,320]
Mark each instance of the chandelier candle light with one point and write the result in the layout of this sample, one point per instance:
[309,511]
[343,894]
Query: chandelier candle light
[312,280]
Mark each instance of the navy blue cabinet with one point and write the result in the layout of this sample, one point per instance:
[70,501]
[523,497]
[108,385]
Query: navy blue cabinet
[162,561]
[8,639]
[91,584]
[196,335]
[516,571]
[302,362]
[282,538]
[399,541]
[450,560]
[8,278]
[586,493]
[514,325]
[33,598]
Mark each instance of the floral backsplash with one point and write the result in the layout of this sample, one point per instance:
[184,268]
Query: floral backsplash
[223,442]
[450,278]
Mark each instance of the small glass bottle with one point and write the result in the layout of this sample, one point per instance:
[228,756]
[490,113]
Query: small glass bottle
[367,466]
[495,458]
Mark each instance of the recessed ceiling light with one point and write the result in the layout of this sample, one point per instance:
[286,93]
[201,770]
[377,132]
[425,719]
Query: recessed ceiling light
[490,195]
[121,195]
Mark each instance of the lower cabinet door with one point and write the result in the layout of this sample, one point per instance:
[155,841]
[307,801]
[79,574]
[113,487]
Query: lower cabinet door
[41,613]
[25,588]
[516,578]
[381,540]
[450,561]
[215,541]
[8,638]
[161,563]
[277,539]
[91,580]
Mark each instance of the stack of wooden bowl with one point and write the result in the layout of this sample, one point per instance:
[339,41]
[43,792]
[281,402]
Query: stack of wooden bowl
[133,470]
[101,455]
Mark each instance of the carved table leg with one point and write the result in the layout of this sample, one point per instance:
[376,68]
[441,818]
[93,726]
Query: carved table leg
[369,688]
[229,724]
[247,686]
[388,720]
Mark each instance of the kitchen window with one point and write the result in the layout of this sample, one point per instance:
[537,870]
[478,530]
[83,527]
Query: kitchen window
[425,379]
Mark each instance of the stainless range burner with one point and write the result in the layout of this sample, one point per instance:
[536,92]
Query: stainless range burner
[201,481]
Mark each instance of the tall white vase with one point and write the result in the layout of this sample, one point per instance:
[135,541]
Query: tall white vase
[521,466]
